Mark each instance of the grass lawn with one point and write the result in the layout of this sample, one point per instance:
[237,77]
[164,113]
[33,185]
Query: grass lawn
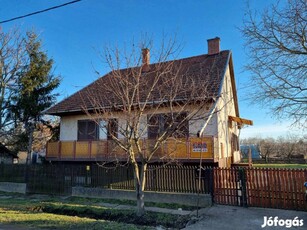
[39,220]
[75,213]
[23,212]
[289,166]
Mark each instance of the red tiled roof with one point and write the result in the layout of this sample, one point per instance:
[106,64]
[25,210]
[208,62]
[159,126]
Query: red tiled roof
[201,71]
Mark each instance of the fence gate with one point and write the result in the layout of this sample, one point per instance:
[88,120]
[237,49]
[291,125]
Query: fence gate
[229,186]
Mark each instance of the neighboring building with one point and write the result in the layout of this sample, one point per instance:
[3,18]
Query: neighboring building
[255,151]
[81,139]
[36,157]
[22,157]
[7,156]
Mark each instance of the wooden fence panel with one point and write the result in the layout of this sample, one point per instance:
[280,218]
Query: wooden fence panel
[276,188]
[265,187]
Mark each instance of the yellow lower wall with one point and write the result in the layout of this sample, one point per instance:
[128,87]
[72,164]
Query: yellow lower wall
[201,147]
[67,149]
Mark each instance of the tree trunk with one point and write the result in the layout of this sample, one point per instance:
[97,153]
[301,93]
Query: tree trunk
[140,180]
[140,200]
[29,130]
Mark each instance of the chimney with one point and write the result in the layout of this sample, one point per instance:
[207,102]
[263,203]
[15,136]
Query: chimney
[145,59]
[213,45]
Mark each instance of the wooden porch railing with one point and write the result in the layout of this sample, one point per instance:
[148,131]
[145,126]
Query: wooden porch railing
[190,148]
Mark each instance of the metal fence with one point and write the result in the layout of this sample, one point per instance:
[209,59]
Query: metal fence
[59,179]
[12,173]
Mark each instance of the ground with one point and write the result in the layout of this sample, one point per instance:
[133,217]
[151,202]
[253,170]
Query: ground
[220,217]
[216,217]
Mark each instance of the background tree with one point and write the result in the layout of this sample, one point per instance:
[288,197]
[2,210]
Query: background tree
[159,98]
[283,147]
[48,130]
[34,92]
[277,49]
[267,148]
[290,146]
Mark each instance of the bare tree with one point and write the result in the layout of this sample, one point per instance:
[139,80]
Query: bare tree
[290,146]
[302,147]
[12,58]
[277,50]
[157,101]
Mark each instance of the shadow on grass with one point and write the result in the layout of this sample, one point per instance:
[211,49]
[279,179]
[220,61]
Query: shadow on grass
[67,222]
[121,216]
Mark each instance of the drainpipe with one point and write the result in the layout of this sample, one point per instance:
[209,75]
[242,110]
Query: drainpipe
[227,129]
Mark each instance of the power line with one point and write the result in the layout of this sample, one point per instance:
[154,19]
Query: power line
[38,12]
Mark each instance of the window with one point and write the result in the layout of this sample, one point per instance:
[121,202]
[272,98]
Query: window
[153,122]
[159,123]
[87,130]
[235,142]
[182,127]
[112,129]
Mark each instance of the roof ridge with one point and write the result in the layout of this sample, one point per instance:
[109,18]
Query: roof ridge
[180,59]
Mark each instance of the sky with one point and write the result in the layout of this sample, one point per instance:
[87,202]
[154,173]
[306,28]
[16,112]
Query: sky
[74,35]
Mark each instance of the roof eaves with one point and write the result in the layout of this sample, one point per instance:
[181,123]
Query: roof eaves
[234,88]
[224,73]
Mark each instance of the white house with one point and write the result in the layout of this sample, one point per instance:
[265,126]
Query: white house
[213,137]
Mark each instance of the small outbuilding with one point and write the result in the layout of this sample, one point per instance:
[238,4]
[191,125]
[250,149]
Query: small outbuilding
[7,156]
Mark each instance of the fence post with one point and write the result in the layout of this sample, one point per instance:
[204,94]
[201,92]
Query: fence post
[242,180]
[154,178]
[211,183]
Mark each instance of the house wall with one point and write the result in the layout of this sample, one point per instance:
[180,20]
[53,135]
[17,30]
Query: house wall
[69,125]
[210,130]
[226,107]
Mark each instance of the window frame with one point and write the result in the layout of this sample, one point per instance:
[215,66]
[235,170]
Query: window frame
[87,136]
[159,125]
[112,127]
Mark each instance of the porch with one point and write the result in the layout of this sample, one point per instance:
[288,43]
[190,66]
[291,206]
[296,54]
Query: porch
[184,149]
